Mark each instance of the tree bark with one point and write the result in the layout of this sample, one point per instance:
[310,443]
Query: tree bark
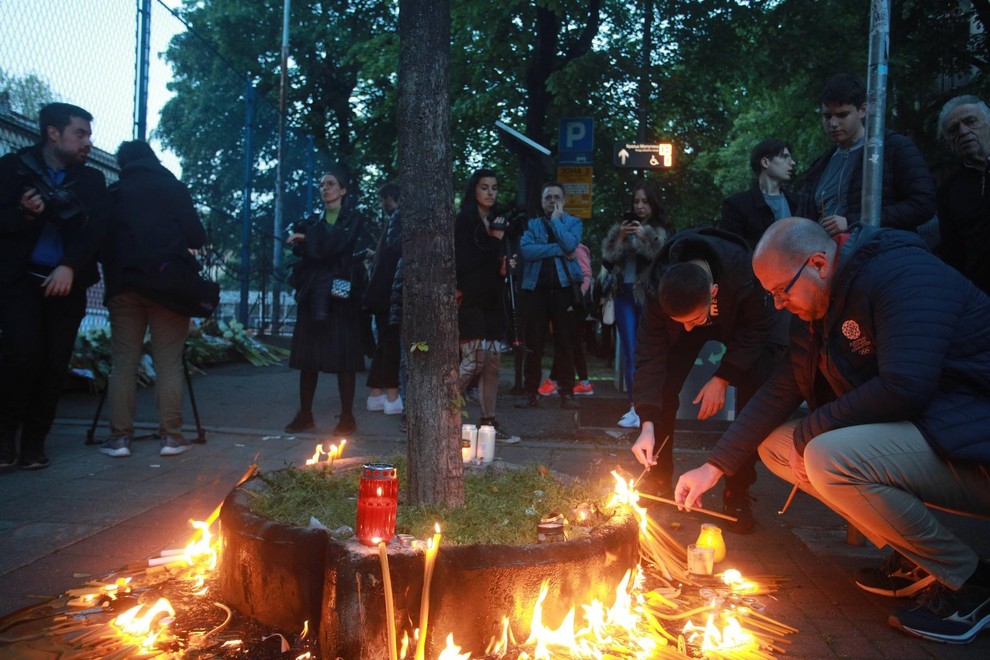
[429,315]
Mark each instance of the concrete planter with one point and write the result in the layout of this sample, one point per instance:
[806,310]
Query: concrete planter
[284,575]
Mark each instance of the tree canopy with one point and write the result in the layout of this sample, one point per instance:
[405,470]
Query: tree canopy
[721,75]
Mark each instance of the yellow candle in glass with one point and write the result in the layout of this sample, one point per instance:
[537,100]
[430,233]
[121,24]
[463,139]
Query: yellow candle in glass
[711,537]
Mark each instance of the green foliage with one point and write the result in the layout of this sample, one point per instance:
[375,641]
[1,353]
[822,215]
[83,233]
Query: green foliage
[721,75]
[500,506]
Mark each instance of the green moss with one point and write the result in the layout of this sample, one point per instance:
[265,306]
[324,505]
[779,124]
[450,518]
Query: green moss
[501,506]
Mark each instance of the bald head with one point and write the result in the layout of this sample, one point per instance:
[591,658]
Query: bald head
[793,262]
[791,240]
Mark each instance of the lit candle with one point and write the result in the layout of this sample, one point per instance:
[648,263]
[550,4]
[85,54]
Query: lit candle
[389,607]
[424,605]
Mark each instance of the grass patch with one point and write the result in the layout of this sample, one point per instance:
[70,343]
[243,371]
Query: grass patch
[501,507]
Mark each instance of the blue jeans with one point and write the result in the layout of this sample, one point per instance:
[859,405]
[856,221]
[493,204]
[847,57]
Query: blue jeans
[627,313]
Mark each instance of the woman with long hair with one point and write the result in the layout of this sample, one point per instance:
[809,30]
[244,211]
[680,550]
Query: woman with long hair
[329,281]
[627,251]
[481,269]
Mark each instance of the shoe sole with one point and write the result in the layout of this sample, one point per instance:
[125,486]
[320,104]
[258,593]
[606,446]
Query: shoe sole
[394,411]
[962,638]
[627,425]
[174,451]
[117,453]
[906,592]
[576,393]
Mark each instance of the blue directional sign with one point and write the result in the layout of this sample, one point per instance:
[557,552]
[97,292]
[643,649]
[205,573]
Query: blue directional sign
[576,143]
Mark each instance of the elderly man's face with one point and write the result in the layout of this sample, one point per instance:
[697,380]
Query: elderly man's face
[800,288]
[967,132]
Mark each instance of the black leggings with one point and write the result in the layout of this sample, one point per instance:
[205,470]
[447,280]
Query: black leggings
[346,383]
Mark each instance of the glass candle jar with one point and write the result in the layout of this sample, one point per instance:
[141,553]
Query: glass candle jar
[378,498]
[711,537]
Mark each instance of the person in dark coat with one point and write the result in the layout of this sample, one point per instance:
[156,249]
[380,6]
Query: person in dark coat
[964,197]
[329,280]
[480,265]
[893,359]
[152,221]
[833,186]
[383,375]
[53,212]
[751,212]
[700,288]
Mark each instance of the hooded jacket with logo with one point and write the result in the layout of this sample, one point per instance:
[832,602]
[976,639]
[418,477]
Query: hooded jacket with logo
[904,339]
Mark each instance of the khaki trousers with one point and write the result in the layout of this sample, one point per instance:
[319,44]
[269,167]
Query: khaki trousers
[883,478]
[131,315]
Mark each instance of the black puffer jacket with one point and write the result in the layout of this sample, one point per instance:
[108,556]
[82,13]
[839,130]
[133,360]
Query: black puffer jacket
[906,339]
[744,316]
[908,198]
[152,220]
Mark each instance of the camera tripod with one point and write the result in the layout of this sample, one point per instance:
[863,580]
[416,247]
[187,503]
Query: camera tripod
[200,433]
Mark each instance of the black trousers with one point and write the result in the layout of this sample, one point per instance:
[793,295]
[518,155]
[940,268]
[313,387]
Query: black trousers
[540,308]
[680,360]
[37,335]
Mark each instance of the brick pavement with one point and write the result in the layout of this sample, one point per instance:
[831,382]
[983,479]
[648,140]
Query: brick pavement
[89,514]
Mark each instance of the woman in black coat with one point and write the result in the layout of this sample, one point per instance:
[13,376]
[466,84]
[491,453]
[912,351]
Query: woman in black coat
[480,264]
[327,334]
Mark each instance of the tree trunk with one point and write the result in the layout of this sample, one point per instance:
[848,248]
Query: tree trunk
[429,316]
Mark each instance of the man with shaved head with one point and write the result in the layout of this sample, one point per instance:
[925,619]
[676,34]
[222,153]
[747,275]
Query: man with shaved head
[894,362]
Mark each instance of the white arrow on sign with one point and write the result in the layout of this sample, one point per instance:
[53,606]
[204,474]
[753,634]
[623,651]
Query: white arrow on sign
[623,156]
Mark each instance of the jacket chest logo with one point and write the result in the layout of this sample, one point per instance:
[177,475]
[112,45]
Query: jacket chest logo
[857,342]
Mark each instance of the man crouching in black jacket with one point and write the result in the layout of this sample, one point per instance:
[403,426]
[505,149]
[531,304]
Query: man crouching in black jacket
[700,288]
[52,215]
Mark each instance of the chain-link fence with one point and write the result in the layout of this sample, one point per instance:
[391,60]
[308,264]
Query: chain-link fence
[86,52]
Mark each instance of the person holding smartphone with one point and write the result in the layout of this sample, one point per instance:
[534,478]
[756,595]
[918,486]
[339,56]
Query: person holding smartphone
[627,251]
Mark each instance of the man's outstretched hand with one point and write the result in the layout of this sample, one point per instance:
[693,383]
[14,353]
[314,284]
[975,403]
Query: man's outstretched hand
[695,483]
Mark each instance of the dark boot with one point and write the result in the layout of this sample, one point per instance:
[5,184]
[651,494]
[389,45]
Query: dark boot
[303,421]
[738,505]
[346,425]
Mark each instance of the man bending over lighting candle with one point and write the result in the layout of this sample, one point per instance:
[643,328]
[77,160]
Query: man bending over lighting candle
[894,361]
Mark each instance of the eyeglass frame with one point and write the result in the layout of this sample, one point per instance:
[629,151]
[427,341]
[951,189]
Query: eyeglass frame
[776,297]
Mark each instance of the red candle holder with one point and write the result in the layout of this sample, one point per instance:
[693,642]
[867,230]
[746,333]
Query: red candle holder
[378,498]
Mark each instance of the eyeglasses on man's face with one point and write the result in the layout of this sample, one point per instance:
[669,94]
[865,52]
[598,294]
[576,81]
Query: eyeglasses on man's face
[780,297]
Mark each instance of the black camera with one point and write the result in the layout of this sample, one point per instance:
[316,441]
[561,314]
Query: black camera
[511,220]
[61,203]
[629,218]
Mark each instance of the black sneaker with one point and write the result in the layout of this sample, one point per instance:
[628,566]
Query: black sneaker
[36,463]
[303,421]
[738,506]
[527,401]
[501,436]
[897,577]
[943,615]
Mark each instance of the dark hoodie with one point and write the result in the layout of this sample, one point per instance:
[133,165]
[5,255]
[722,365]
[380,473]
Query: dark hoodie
[906,340]
[744,319]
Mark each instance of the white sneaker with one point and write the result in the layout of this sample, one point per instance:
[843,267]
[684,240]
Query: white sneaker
[393,407]
[377,403]
[630,420]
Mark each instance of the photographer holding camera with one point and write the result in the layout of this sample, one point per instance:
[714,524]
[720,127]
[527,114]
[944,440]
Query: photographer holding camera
[52,215]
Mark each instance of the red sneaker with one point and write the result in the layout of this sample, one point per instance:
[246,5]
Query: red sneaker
[548,387]
[583,387]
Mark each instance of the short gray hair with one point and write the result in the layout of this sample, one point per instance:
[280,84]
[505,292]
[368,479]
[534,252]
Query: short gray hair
[953,103]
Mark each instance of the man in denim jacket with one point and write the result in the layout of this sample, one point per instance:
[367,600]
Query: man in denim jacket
[549,271]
